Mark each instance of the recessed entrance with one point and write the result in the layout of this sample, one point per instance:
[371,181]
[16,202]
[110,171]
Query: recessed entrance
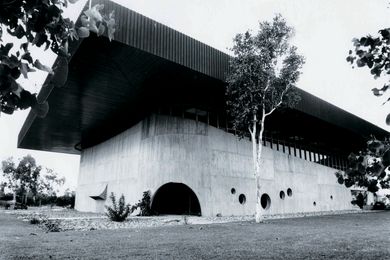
[177,199]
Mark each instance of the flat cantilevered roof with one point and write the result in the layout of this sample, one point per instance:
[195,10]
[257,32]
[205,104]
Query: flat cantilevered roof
[111,85]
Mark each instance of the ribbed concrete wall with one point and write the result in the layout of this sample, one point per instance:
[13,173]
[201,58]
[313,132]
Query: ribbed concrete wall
[163,149]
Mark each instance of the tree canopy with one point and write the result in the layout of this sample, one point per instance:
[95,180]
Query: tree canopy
[262,74]
[262,77]
[27,177]
[40,23]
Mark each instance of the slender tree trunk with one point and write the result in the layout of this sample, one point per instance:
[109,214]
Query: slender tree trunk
[258,143]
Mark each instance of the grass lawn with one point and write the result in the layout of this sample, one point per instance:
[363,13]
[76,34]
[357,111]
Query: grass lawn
[347,236]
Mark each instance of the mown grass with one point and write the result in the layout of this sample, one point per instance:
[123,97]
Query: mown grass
[348,236]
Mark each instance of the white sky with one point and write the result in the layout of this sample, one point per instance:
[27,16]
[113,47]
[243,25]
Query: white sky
[324,30]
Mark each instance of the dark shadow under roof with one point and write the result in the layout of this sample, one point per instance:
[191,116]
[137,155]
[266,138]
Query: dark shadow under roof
[109,86]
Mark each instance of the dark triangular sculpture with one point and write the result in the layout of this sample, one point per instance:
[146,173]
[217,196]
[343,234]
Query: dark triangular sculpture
[102,196]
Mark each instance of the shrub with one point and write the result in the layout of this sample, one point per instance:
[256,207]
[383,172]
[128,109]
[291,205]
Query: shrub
[119,211]
[7,196]
[359,200]
[379,205]
[35,221]
[51,225]
[144,205]
[66,201]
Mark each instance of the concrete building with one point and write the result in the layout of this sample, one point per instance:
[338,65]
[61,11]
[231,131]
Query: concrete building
[147,112]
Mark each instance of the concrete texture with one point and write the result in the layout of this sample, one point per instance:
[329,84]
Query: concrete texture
[162,149]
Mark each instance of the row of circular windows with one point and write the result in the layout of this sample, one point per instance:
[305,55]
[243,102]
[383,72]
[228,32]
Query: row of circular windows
[265,199]
[282,195]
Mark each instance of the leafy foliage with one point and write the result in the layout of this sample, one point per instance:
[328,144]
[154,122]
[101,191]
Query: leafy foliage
[119,211]
[144,205]
[66,200]
[26,177]
[359,200]
[262,78]
[368,169]
[262,74]
[40,23]
[35,221]
[373,52]
[51,225]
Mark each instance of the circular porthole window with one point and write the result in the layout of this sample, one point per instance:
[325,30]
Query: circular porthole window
[314,204]
[233,191]
[242,199]
[289,192]
[265,201]
[282,195]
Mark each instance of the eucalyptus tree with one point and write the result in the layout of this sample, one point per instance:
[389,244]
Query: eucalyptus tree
[262,77]
[26,177]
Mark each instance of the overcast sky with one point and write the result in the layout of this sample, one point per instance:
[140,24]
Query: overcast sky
[324,30]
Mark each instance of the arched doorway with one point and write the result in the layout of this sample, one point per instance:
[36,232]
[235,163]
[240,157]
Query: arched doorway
[175,198]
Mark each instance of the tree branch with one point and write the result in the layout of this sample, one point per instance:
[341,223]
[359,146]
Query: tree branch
[279,103]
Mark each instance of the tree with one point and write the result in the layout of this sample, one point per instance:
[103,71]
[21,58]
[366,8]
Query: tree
[373,52]
[369,168]
[27,178]
[261,79]
[40,23]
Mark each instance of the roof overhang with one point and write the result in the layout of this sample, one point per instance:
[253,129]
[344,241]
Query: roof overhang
[112,85]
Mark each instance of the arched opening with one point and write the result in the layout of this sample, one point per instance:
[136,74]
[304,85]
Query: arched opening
[175,198]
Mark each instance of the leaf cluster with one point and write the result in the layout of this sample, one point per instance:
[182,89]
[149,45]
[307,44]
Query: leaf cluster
[263,72]
[144,204]
[40,23]
[373,52]
[119,210]
[369,168]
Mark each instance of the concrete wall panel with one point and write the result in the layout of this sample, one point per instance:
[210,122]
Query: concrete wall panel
[163,149]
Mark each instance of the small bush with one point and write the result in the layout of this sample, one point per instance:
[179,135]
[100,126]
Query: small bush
[379,206]
[51,225]
[7,196]
[66,201]
[359,200]
[35,221]
[119,211]
[144,205]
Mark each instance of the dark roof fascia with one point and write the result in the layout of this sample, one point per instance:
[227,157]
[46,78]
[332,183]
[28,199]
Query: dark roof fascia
[160,40]
[156,38]
[46,89]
